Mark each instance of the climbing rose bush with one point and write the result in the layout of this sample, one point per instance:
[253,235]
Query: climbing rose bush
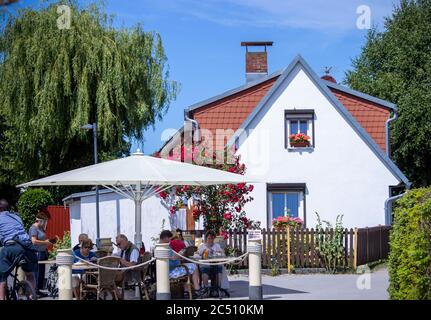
[221,206]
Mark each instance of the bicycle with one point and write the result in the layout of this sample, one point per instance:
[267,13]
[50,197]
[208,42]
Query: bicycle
[20,289]
[51,283]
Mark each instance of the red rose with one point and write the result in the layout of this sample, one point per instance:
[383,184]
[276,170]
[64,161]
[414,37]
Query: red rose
[163,195]
[250,188]
[240,185]
[223,234]
[227,216]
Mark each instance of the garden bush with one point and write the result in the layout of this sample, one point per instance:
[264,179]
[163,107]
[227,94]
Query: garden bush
[63,243]
[30,203]
[410,247]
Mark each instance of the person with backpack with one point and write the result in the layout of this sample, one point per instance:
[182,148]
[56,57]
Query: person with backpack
[16,244]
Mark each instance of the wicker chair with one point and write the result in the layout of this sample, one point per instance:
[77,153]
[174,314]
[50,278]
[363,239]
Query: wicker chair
[138,278]
[106,278]
[101,254]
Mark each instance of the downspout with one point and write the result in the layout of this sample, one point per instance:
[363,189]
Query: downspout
[197,135]
[388,207]
[393,118]
[389,201]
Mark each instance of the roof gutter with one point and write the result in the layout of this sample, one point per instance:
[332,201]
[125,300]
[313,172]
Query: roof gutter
[393,118]
[197,134]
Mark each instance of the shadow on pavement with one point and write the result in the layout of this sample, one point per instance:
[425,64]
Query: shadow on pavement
[239,288]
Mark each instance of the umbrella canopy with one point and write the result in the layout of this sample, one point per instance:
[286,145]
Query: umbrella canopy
[139,177]
[139,168]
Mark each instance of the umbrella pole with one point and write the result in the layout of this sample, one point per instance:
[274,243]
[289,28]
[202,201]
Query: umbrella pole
[138,207]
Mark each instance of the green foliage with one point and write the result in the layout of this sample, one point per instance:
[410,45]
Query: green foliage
[410,247]
[54,80]
[232,268]
[30,203]
[275,267]
[64,243]
[395,64]
[329,245]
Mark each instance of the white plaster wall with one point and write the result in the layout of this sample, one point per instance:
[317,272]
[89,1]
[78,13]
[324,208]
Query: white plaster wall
[75,221]
[342,174]
[117,215]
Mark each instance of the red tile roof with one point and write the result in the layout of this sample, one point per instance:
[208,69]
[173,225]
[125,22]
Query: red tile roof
[371,116]
[231,111]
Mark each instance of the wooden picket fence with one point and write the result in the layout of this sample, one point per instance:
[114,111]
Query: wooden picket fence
[297,247]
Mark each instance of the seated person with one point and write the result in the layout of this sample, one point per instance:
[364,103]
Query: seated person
[174,261]
[180,236]
[176,243]
[129,256]
[81,238]
[209,249]
[83,253]
[15,243]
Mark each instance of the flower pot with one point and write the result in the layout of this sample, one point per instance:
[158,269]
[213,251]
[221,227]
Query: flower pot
[301,144]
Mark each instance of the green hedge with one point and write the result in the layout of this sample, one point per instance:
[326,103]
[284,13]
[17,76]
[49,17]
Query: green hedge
[410,247]
[31,202]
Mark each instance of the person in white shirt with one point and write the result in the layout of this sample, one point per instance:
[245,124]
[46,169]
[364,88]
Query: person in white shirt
[208,250]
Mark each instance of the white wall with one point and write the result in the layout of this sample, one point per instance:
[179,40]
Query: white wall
[342,174]
[117,215]
[75,221]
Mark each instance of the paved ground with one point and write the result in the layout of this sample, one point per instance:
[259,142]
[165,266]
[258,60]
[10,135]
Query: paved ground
[312,287]
[317,286]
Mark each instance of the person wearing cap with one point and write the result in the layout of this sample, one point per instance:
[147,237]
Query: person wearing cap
[38,237]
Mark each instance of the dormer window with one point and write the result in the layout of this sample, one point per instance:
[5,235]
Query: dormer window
[299,129]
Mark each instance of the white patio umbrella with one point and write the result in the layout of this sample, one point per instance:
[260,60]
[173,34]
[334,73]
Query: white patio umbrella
[138,177]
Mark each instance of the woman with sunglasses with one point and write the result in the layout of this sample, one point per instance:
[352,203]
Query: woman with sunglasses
[84,253]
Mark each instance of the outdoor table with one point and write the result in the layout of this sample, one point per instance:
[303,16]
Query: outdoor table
[47,261]
[83,266]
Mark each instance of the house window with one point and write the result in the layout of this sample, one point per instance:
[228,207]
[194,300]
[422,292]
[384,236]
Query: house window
[286,200]
[299,121]
[284,204]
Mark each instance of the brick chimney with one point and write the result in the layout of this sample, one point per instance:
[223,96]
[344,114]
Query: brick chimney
[256,62]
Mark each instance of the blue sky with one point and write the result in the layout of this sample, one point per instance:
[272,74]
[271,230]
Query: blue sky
[202,41]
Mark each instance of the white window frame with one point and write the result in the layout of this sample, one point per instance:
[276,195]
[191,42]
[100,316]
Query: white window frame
[298,116]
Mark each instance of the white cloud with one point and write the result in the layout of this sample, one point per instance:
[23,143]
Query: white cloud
[303,14]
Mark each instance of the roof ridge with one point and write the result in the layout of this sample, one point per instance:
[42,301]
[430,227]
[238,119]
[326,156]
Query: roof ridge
[233,91]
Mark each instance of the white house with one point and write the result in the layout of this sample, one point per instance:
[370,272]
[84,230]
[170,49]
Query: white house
[346,169]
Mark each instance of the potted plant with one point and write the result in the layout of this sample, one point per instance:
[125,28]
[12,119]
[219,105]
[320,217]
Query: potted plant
[299,140]
[283,222]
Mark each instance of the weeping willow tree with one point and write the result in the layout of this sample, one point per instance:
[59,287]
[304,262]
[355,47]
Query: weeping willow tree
[54,80]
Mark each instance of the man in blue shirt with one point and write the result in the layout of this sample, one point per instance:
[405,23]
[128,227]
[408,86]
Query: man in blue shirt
[15,243]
